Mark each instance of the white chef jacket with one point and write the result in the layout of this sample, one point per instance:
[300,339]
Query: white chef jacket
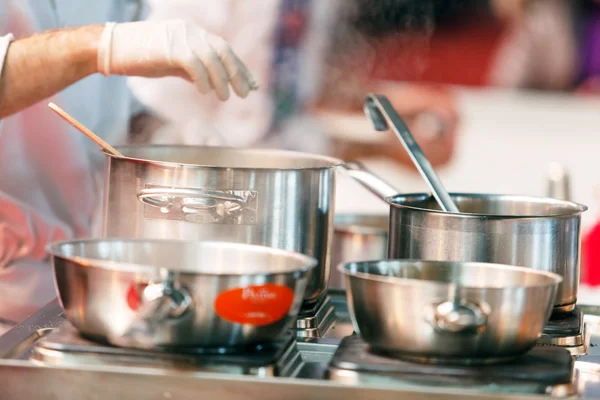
[50,174]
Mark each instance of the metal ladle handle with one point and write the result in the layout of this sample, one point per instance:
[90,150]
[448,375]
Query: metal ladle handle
[383,117]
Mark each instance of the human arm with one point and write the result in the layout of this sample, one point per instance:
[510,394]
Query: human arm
[41,65]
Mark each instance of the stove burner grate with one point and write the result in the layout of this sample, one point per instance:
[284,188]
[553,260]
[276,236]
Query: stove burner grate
[65,346]
[537,370]
[317,320]
[567,331]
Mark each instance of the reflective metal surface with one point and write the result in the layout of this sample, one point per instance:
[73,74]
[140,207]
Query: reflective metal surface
[543,370]
[357,238]
[266,197]
[449,312]
[316,321]
[105,381]
[539,233]
[65,347]
[163,294]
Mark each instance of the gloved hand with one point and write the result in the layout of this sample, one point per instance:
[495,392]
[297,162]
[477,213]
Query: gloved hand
[173,48]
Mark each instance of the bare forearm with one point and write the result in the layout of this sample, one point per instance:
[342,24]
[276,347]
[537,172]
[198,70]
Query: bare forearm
[41,65]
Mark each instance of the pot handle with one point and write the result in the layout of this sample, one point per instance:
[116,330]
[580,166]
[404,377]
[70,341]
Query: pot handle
[369,180]
[160,302]
[458,317]
[195,199]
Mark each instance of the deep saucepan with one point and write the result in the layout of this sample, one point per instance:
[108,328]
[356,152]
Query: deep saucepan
[449,312]
[163,294]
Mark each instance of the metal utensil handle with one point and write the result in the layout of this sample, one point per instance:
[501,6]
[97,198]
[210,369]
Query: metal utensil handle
[459,317]
[161,301]
[414,150]
[163,197]
[370,181]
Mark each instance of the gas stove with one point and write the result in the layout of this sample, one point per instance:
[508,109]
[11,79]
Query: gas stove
[544,370]
[64,346]
[46,350]
[568,332]
[317,320]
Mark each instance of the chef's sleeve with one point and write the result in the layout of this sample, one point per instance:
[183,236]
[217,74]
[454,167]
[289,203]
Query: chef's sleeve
[4,43]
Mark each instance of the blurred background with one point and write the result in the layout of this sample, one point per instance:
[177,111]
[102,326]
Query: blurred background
[494,90]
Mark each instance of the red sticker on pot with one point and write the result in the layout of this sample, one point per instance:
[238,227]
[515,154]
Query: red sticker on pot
[255,305]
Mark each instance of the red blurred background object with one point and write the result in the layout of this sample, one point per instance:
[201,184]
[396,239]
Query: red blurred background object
[590,257]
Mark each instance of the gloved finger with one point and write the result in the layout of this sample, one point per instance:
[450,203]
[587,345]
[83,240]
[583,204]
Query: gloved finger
[216,70]
[233,66]
[198,75]
[251,81]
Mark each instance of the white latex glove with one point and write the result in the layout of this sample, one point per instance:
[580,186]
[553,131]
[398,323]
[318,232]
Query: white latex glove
[174,48]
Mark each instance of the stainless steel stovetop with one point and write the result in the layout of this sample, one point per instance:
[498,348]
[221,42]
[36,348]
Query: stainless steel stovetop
[45,358]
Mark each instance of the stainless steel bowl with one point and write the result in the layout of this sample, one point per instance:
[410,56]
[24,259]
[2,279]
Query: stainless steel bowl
[449,312]
[164,294]
[357,237]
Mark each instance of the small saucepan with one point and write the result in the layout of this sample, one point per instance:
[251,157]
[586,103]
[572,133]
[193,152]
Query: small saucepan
[449,312]
[169,295]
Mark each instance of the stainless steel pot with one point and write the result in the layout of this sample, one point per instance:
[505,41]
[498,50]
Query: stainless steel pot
[162,294]
[357,237]
[449,312]
[533,232]
[266,197]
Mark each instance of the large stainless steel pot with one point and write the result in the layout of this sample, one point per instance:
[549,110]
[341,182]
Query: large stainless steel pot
[357,237]
[533,232]
[266,197]
[164,294]
[449,311]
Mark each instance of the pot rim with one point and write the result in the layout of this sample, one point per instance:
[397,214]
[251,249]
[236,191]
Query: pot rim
[332,162]
[307,262]
[406,282]
[359,224]
[576,208]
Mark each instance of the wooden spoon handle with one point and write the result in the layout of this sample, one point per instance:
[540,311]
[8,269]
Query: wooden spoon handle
[95,138]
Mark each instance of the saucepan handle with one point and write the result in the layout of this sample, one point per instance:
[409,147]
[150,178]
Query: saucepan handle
[369,180]
[454,316]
